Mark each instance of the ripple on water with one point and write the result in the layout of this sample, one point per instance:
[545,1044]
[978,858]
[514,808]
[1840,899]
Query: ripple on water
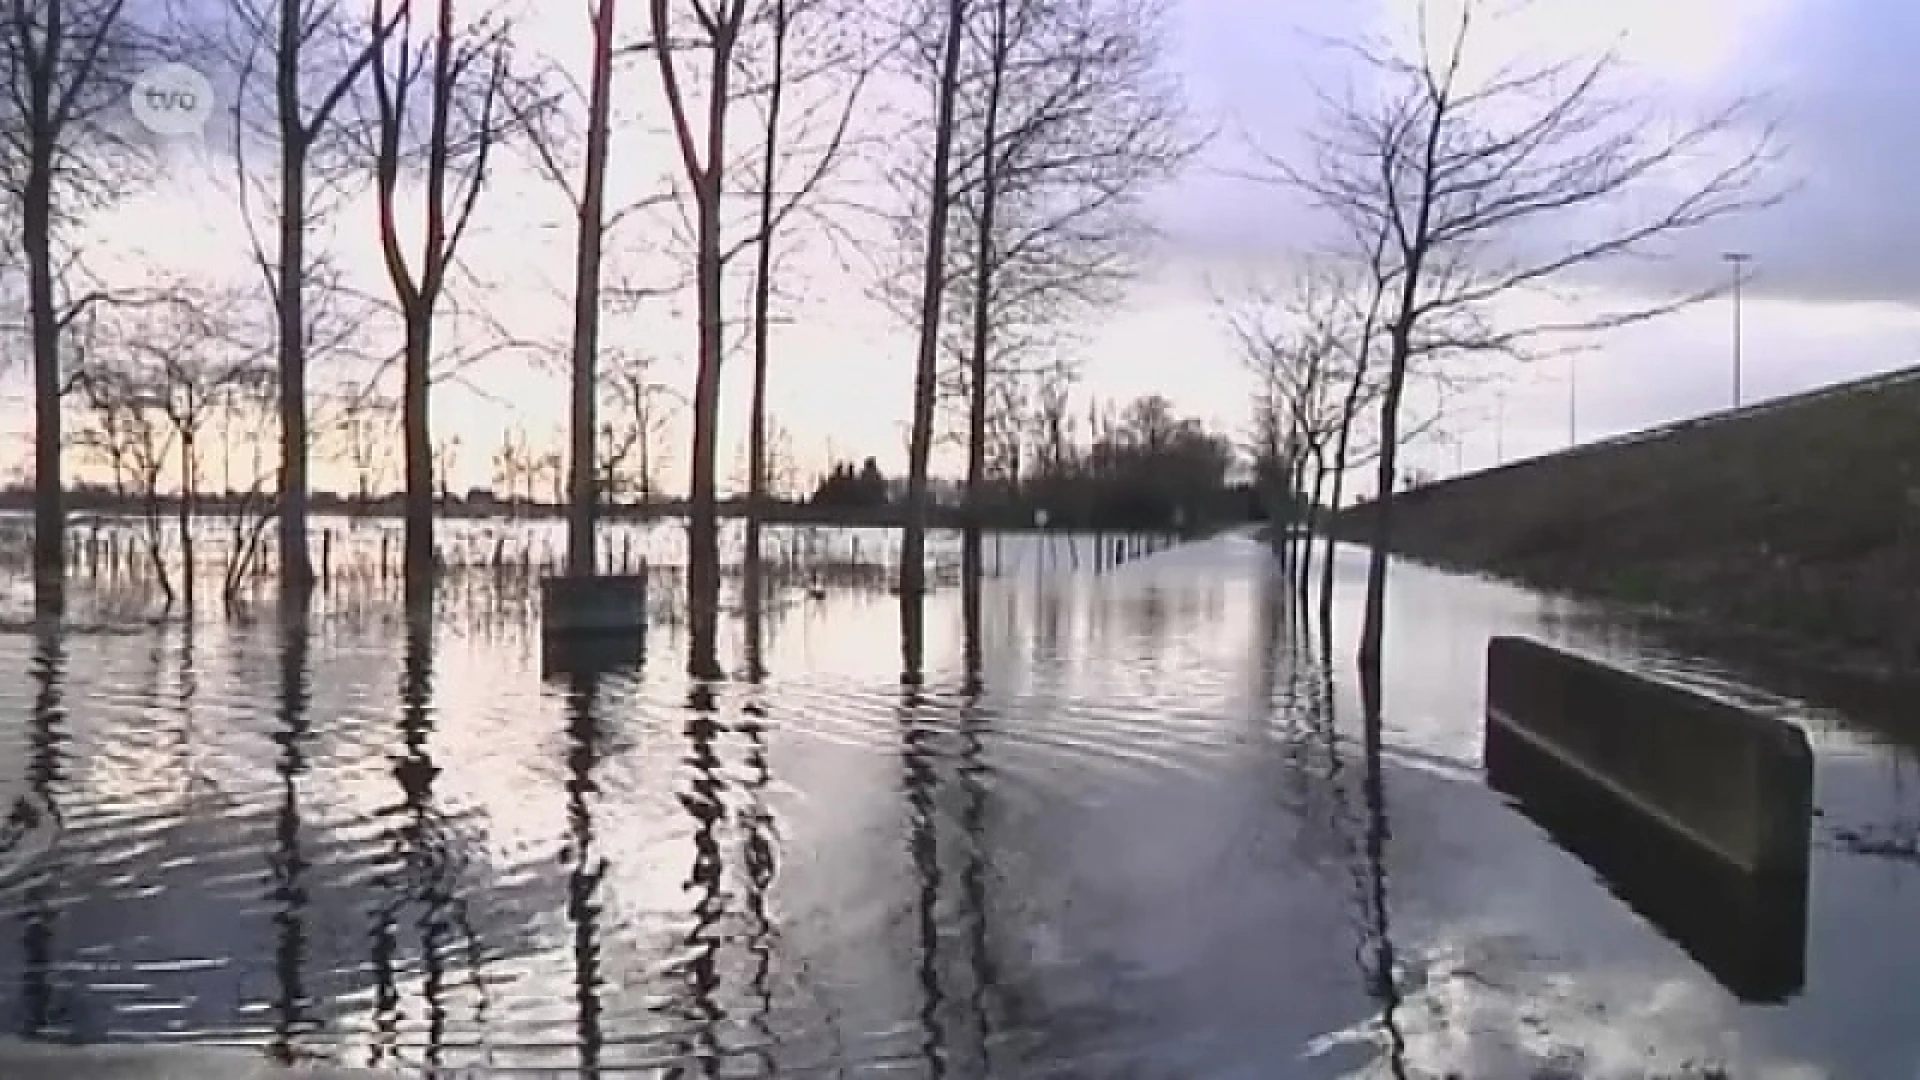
[1149,843]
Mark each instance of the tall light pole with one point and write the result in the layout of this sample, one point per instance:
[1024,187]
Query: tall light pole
[1739,260]
[1500,428]
[1573,399]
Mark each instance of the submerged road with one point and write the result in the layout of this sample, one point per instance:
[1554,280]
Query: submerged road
[1152,844]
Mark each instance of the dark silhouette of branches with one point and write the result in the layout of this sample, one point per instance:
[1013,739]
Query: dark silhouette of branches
[1465,190]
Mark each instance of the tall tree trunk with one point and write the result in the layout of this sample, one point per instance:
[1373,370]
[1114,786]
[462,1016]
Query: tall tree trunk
[646,469]
[417,540]
[762,312]
[296,567]
[1316,527]
[1336,493]
[703,527]
[972,569]
[49,494]
[189,482]
[913,542]
[583,504]
[1342,453]
[1373,623]
[1296,513]
[983,270]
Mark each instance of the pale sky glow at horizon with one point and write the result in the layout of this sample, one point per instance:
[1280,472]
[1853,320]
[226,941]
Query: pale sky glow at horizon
[1832,293]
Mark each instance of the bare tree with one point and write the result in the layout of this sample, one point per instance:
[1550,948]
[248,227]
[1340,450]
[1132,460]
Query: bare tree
[68,65]
[719,24]
[933,282]
[551,466]
[460,85]
[584,184]
[157,389]
[779,471]
[638,409]
[1485,187]
[367,430]
[120,428]
[804,40]
[1007,421]
[513,467]
[1067,122]
[1050,426]
[1362,389]
[1310,378]
[252,508]
[316,55]
[585,493]
[446,460]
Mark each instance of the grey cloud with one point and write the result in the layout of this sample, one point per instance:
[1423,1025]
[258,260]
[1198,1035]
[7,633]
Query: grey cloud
[1849,90]
[1251,68]
[1838,79]
[1837,75]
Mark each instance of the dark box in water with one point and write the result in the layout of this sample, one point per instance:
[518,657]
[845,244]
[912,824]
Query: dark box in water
[1695,811]
[598,604]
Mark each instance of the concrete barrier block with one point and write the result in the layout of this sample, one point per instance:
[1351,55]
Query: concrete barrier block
[1737,785]
[1694,811]
[1748,930]
[600,604]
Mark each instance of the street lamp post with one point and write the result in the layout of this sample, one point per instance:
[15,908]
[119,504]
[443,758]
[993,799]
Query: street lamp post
[1738,260]
[1573,399]
[1500,429]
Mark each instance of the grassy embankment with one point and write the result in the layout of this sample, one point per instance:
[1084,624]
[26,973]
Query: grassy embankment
[1798,518]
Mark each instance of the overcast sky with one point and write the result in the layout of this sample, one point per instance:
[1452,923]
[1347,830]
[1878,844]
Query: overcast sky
[1830,297]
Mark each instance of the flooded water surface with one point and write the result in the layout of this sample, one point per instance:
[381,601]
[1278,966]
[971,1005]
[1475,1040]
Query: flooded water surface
[1141,836]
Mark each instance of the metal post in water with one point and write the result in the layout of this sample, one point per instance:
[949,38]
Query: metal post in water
[1739,260]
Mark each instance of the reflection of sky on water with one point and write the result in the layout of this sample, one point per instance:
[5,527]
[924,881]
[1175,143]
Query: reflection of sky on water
[1121,856]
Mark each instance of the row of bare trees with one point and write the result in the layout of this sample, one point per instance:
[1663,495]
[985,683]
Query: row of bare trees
[1052,119]
[1458,182]
[293,70]
[419,101]
[1016,169]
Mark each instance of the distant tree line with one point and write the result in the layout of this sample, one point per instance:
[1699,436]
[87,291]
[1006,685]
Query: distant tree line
[1144,468]
[844,486]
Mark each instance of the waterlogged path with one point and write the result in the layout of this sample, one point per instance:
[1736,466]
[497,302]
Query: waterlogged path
[1149,845]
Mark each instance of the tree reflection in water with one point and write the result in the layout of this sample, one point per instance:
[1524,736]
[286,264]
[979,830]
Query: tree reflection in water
[702,800]
[1378,961]
[46,740]
[286,864]
[758,850]
[973,813]
[425,863]
[922,844]
[586,866]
